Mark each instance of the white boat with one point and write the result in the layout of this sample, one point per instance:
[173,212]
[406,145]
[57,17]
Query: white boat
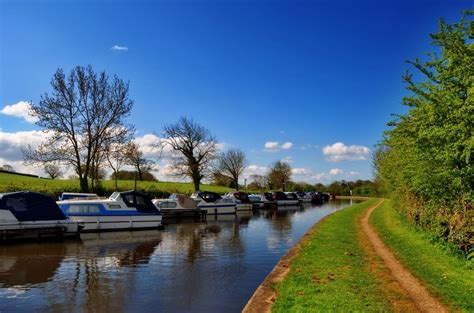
[214,203]
[283,199]
[177,206]
[242,200]
[304,197]
[256,201]
[122,210]
[25,214]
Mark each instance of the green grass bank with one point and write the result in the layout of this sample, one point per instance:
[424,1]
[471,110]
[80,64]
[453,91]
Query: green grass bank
[447,276]
[332,272]
[12,182]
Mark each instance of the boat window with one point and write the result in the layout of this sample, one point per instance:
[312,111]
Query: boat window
[168,205]
[17,204]
[84,209]
[129,198]
[140,200]
[114,206]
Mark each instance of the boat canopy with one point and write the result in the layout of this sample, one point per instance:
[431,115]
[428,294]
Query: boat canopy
[137,200]
[185,202]
[268,196]
[31,206]
[209,196]
[242,196]
[278,195]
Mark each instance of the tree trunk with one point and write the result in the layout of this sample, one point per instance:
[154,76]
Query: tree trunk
[196,182]
[84,184]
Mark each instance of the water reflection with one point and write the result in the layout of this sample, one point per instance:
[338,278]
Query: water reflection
[190,267]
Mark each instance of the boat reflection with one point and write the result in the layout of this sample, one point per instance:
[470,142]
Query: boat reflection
[29,264]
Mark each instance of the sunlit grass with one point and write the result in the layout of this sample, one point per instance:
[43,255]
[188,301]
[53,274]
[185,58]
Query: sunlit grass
[331,273]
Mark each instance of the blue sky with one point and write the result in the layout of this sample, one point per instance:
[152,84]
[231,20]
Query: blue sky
[309,73]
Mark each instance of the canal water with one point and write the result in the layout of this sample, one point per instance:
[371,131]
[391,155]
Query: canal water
[190,267]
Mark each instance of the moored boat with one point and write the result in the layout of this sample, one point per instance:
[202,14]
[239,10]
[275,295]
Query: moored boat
[178,206]
[122,210]
[26,214]
[214,203]
[283,199]
[304,197]
[242,200]
[256,201]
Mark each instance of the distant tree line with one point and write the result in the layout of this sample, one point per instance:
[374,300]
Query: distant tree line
[426,160]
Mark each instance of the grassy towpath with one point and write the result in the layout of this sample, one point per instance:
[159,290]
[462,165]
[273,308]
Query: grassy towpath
[334,272]
[336,268]
[447,276]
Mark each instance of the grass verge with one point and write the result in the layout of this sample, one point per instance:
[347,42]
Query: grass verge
[11,182]
[332,271]
[448,277]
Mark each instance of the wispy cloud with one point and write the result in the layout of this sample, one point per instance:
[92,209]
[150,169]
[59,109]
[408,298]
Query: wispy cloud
[338,152]
[119,48]
[20,109]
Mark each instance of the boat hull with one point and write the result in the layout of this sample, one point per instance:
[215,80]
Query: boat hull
[112,223]
[287,202]
[244,207]
[219,209]
[39,229]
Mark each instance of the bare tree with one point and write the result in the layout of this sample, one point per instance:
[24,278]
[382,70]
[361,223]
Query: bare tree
[53,170]
[193,148]
[116,155]
[136,159]
[279,175]
[232,163]
[84,113]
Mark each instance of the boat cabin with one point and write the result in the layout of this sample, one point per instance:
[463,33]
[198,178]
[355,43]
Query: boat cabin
[28,206]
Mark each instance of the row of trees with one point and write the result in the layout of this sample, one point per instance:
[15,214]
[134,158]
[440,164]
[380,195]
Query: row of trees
[84,118]
[426,161]
[85,121]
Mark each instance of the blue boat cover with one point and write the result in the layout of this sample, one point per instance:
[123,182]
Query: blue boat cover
[31,206]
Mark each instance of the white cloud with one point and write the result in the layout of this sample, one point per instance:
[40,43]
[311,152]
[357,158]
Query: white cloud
[150,145]
[271,145]
[255,170]
[119,48]
[335,171]
[340,152]
[20,109]
[12,143]
[274,146]
[300,171]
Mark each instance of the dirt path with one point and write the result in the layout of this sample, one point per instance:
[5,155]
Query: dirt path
[417,293]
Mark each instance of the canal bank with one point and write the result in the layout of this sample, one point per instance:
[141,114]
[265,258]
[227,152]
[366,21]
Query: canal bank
[340,266]
[326,270]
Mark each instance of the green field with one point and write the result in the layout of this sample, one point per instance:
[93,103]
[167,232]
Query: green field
[12,182]
[331,272]
[449,277]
